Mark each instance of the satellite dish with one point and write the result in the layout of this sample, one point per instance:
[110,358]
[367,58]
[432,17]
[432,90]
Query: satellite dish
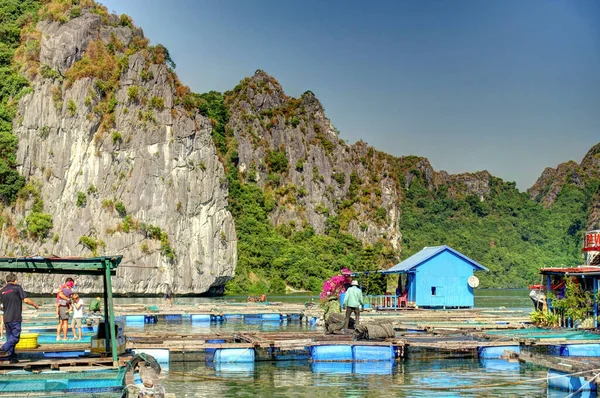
[473,281]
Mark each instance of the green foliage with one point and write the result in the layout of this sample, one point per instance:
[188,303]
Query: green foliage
[81,199]
[212,105]
[340,177]
[75,12]
[49,73]
[157,103]
[507,232]
[117,137]
[277,161]
[14,14]
[120,208]
[576,303]
[133,93]
[39,224]
[544,318]
[71,107]
[92,244]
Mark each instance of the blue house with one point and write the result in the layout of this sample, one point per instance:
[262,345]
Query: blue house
[439,277]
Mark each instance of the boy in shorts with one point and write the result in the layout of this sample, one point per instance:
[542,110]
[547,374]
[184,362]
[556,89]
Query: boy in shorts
[77,308]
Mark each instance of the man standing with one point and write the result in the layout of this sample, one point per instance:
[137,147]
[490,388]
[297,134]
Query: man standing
[353,301]
[13,297]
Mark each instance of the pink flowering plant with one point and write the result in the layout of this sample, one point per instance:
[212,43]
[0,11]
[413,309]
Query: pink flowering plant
[335,285]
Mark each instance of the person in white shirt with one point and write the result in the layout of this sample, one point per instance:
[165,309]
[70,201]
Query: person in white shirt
[77,307]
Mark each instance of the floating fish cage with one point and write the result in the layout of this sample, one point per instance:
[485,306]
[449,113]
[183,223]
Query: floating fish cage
[85,382]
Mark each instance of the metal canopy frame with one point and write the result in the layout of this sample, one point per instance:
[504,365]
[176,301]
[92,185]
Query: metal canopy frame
[99,266]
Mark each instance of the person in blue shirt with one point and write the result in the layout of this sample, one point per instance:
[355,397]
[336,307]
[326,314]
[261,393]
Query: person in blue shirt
[353,300]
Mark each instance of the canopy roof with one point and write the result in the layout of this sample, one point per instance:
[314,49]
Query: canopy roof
[61,265]
[427,253]
[574,271]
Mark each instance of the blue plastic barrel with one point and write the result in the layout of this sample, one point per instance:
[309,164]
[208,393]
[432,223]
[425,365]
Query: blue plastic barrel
[173,317]
[233,317]
[210,352]
[200,318]
[561,381]
[329,353]
[497,352]
[580,350]
[313,321]
[217,318]
[370,353]
[234,355]
[271,317]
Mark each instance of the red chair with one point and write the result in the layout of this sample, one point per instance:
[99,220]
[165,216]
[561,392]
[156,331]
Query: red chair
[403,299]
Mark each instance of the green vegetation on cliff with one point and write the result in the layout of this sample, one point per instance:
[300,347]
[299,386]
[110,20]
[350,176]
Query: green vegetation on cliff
[14,15]
[509,233]
[270,258]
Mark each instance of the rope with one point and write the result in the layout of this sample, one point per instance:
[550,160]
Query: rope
[508,383]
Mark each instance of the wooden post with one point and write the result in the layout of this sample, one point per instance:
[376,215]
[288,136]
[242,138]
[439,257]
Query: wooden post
[111,313]
[595,284]
[548,290]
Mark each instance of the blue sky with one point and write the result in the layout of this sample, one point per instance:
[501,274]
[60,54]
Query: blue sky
[508,86]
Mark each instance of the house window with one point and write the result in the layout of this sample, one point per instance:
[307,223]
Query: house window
[433,290]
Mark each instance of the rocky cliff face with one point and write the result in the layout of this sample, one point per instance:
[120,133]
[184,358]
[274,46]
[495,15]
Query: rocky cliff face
[584,175]
[548,186]
[119,163]
[290,148]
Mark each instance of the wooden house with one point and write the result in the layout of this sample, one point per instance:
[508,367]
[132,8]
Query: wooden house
[439,277]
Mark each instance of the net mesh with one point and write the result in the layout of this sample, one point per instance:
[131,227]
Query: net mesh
[88,382]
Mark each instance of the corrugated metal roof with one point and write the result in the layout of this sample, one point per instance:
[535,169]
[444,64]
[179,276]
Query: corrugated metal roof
[428,252]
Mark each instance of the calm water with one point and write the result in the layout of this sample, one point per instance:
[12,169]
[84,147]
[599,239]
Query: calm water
[406,378]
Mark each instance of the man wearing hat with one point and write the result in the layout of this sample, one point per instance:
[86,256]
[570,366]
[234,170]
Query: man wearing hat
[353,301]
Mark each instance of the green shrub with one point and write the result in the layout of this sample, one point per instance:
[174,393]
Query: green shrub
[39,224]
[340,178]
[71,107]
[75,12]
[120,208]
[133,93]
[117,137]
[49,73]
[157,103]
[276,161]
[81,199]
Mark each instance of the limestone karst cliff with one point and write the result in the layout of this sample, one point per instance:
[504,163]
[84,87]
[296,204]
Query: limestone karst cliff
[111,153]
